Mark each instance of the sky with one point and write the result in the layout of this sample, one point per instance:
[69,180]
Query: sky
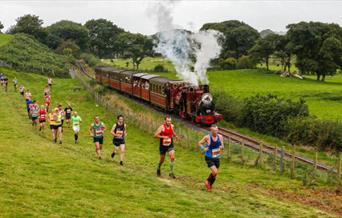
[133,15]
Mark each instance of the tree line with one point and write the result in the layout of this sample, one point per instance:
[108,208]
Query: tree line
[313,47]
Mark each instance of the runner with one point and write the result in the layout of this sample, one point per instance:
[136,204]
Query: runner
[96,130]
[119,131]
[28,95]
[22,90]
[52,117]
[15,83]
[166,133]
[28,103]
[34,111]
[212,145]
[76,121]
[50,82]
[47,101]
[46,90]
[58,125]
[5,83]
[42,118]
[67,112]
[61,112]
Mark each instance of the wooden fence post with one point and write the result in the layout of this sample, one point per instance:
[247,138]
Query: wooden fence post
[275,153]
[282,164]
[293,162]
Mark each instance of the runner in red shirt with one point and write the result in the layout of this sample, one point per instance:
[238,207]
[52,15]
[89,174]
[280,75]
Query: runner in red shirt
[42,118]
[166,134]
[47,100]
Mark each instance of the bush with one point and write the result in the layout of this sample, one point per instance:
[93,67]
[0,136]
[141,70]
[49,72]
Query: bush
[25,53]
[228,64]
[266,113]
[245,62]
[159,68]
[90,59]
[312,131]
[229,106]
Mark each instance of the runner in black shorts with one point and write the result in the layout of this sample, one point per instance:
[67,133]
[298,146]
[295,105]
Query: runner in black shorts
[166,133]
[119,131]
[212,145]
[96,130]
[67,112]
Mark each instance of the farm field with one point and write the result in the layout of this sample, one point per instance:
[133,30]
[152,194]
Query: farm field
[323,98]
[38,178]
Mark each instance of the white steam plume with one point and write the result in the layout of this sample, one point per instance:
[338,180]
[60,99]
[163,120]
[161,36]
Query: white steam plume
[179,45]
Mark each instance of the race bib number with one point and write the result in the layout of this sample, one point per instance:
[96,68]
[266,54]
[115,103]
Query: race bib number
[216,152]
[167,141]
[119,134]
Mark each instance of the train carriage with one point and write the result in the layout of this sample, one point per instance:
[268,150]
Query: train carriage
[137,84]
[159,92]
[114,79]
[126,82]
[146,86]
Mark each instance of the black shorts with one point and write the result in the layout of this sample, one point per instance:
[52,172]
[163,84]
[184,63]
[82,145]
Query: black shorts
[57,126]
[42,121]
[22,93]
[163,149]
[34,118]
[118,142]
[212,162]
[52,126]
[98,139]
[67,116]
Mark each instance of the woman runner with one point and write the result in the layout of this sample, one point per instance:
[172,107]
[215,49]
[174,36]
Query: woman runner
[42,118]
[119,131]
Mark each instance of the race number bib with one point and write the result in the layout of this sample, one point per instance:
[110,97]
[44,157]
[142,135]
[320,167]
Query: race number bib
[216,152]
[119,133]
[167,141]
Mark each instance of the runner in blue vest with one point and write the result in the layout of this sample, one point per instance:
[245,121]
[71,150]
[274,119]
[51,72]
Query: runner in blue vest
[212,145]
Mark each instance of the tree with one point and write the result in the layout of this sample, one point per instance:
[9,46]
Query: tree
[67,30]
[283,51]
[264,48]
[317,46]
[238,38]
[29,24]
[102,37]
[135,46]
[68,47]
[1,26]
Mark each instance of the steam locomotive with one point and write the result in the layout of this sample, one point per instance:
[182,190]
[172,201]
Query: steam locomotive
[194,103]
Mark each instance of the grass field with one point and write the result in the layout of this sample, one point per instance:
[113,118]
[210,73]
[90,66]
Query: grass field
[4,39]
[41,179]
[324,98]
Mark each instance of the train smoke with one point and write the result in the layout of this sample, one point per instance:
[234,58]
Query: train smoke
[181,46]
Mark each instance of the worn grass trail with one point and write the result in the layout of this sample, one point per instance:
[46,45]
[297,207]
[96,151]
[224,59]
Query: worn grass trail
[40,179]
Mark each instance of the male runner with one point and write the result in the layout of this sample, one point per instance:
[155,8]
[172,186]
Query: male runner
[50,82]
[34,111]
[76,121]
[28,95]
[47,101]
[22,90]
[96,130]
[212,145]
[42,118]
[166,133]
[6,83]
[67,112]
[28,103]
[15,83]
[58,125]
[52,116]
[119,131]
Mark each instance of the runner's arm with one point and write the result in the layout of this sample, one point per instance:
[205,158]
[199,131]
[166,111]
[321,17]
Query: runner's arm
[222,142]
[91,130]
[203,142]
[157,133]
[112,130]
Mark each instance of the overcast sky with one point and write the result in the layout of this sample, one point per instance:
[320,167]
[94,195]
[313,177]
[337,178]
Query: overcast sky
[190,14]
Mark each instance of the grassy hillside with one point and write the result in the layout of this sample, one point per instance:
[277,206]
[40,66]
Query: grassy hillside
[4,39]
[26,53]
[39,179]
[324,98]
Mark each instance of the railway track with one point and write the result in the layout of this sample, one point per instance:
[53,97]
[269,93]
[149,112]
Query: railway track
[266,148]
[247,141]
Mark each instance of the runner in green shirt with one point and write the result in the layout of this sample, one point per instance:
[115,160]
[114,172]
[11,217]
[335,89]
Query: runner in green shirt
[76,121]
